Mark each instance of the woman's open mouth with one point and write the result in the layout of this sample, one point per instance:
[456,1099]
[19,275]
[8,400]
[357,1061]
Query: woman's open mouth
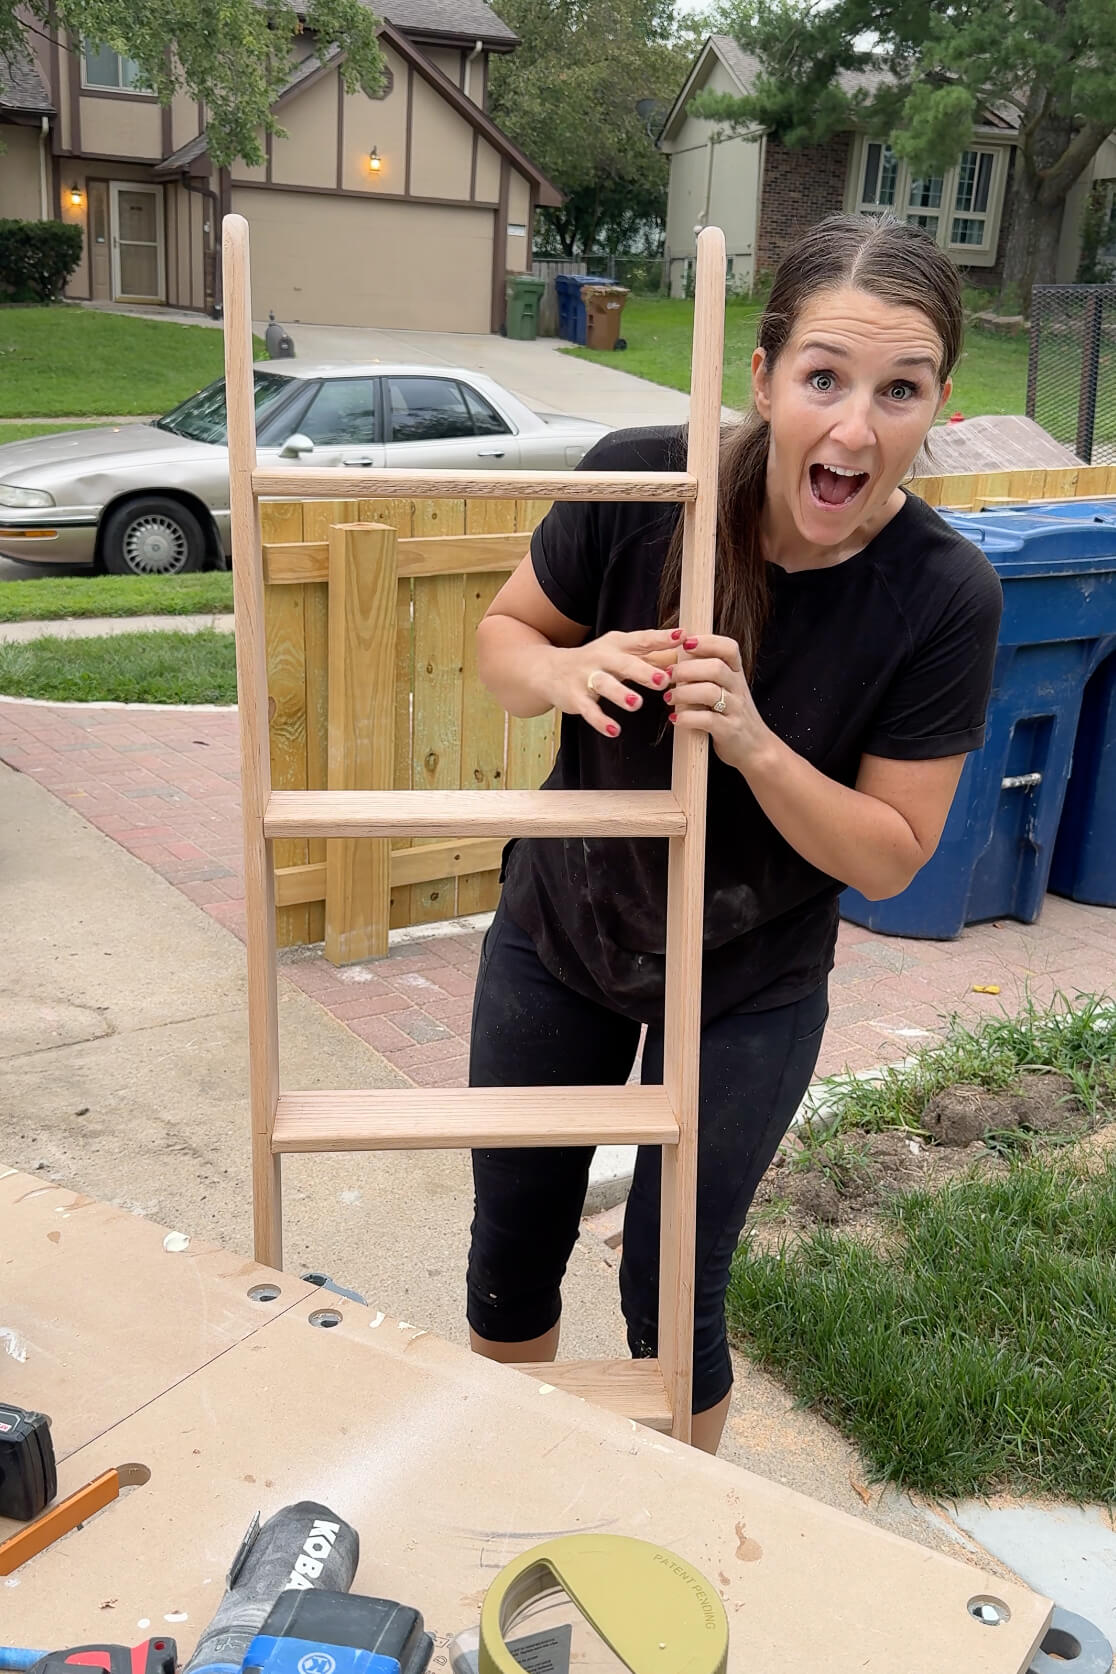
[835,485]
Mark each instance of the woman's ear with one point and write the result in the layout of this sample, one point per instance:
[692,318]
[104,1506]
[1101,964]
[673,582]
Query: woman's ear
[761,385]
[947,391]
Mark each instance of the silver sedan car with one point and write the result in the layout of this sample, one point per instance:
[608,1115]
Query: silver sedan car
[153,499]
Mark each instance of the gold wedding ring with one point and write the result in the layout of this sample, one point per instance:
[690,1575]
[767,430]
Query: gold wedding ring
[592,678]
[721,705]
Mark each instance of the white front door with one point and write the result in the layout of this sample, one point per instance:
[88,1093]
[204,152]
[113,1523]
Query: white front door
[138,255]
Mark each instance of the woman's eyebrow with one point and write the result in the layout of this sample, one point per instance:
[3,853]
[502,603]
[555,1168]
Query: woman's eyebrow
[839,353]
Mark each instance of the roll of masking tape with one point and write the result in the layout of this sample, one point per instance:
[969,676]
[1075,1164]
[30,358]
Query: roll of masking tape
[655,1611]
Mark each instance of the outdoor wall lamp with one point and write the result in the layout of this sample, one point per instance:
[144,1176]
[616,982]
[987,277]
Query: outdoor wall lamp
[75,196]
[375,161]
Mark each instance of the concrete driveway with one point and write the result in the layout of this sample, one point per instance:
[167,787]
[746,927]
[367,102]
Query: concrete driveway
[539,373]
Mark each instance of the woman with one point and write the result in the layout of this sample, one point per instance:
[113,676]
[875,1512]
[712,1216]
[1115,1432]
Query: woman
[845,682]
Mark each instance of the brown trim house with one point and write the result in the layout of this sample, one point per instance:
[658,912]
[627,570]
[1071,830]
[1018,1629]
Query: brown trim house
[406,210]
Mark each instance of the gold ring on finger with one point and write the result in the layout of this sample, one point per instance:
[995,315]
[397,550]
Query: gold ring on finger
[592,678]
[721,704]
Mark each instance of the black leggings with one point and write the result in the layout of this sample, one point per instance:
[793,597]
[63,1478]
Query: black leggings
[530,1030]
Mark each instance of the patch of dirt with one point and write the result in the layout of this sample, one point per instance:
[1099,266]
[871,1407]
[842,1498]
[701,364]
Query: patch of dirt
[1042,1103]
[841,1182]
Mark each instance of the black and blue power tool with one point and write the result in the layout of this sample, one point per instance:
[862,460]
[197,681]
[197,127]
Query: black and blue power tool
[288,1610]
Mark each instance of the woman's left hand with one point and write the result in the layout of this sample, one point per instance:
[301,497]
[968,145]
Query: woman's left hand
[710,694]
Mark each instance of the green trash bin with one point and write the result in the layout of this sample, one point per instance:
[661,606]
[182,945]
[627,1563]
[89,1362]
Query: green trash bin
[524,293]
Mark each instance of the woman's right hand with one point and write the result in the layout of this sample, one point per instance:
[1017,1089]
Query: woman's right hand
[606,668]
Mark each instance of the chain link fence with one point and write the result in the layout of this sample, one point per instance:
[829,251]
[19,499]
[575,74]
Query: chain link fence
[1071,369]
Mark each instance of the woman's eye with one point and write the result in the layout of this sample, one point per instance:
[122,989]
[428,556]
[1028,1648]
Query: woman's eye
[823,382]
[902,391]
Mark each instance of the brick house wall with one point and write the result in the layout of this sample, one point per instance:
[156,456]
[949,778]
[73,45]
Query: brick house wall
[799,187]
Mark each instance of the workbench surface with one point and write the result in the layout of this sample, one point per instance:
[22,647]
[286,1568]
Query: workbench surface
[449,1466]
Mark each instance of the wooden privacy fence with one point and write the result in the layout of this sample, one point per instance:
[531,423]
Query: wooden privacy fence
[371,610]
[371,614]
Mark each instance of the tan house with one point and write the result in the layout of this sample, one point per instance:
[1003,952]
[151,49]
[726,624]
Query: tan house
[763,193]
[406,210]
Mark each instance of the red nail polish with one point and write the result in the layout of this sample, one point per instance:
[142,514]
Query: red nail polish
[668,697]
[613,730]
[672,719]
[632,701]
[676,633]
[658,679]
[689,644]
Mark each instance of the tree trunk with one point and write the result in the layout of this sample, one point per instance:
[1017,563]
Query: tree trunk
[1031,252]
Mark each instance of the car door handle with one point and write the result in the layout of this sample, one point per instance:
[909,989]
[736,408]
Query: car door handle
[490,453]
[363,462]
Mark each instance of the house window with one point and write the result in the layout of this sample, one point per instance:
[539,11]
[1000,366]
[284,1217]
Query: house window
[881,171]
[101,67]
[974,186]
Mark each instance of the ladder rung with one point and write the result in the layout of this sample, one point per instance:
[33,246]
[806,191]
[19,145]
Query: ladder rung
[305,483]
[473,814]
[457,1118]
[634,1388]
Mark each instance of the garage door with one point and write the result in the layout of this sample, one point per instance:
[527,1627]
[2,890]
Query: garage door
[344,261]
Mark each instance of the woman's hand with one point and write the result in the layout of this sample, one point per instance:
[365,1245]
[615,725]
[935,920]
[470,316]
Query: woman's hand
[578,678]
[710,694]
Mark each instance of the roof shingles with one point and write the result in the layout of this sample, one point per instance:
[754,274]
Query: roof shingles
[22,88]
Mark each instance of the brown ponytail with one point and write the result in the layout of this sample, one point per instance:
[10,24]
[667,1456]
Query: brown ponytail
[879,255]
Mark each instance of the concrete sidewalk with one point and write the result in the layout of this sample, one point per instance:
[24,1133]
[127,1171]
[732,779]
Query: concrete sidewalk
[96,627]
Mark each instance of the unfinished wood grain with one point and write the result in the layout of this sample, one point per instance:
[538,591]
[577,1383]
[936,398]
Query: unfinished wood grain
[315,610]
[318,517]
[483,741]
[255,768]
[399,908]
[686,871]
[286,681]
[439,621]
[292,563]
[474,814]
[434,859]
[451,1118]
[632,1388]
[326,483]
[362,589]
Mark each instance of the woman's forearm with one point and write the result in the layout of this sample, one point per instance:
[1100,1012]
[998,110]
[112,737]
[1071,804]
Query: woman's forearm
[515,663]
[855,838]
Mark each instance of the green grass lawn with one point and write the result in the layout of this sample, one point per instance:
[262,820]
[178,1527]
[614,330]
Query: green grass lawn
[971,1344]
[127,668]
[52,598]
[991,378]
[24,432]
[68,361]
[974,1350]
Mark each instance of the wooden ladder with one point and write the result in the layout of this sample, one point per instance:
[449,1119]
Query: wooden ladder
[653,1392]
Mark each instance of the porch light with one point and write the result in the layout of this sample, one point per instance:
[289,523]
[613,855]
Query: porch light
[375,161]
[75,196]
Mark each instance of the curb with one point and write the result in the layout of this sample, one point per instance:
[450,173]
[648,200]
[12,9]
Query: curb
[101,627]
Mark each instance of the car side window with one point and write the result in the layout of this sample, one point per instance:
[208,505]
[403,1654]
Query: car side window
[342,413]
[486,420]
[428,410]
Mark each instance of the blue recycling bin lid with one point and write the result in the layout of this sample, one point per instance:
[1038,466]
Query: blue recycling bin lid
[1019,543]
[1071,511]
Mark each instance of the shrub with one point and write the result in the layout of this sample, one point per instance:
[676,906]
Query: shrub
[36,259]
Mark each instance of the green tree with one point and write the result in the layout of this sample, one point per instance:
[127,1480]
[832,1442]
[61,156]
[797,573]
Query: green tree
[235,56]
[582,96]
[1050,62]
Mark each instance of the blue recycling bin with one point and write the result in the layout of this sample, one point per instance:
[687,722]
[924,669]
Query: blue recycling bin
[996,852]
[1084,863]
[571,309]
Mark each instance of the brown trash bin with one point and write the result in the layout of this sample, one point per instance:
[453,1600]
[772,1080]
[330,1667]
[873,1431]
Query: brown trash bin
[604,305]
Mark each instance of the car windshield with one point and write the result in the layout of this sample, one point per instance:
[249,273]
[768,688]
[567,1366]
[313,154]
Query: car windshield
[203,418]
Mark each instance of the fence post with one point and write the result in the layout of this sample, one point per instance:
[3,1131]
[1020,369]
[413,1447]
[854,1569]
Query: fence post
[1090,367]
[1037,311]
[362,589]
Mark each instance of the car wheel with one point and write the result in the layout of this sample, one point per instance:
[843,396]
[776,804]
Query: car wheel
[153,536]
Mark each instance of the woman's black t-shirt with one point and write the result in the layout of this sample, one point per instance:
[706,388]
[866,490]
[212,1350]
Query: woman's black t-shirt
[889,653]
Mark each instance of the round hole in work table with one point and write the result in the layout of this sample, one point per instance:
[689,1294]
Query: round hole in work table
[324,1318]
[264,1293]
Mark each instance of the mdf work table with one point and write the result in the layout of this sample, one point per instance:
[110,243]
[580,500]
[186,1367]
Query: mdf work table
[448,1465]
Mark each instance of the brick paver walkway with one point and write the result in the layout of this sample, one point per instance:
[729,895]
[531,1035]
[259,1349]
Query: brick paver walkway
[164,784]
